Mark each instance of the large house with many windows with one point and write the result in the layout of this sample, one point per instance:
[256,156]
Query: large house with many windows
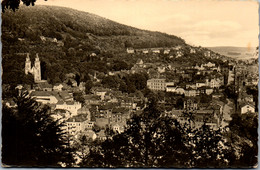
[156,84]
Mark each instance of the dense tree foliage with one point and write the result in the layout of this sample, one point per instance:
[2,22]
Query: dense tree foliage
[14,4]
[30,136]
[79,34]
[153,139]
[145,143]
[129,83]
[243,133]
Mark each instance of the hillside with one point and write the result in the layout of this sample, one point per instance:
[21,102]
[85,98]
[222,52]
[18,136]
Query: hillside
[65,38]
[241,53]
[65,23]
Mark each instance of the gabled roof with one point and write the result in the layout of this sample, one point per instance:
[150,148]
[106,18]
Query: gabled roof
[78,118]
[65,95]
[44,93]
[120,110]
[44,85]
[102,121]
[204,111]
[101,133]
[243,104]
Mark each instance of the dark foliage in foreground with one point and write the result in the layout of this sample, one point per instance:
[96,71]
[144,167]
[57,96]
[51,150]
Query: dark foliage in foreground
[153,139]
[30,136]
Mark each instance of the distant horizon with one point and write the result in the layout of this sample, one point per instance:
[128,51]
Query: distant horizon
[231,46]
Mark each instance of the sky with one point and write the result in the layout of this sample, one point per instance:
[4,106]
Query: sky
[204,23]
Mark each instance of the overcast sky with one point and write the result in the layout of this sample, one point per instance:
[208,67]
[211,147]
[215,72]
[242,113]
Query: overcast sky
[199,22]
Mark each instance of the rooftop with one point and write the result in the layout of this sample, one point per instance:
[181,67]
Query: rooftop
[78,118]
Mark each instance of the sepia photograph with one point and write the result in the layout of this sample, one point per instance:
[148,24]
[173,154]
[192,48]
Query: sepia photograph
[129,83]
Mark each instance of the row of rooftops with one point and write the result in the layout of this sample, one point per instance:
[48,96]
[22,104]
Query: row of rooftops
[60,95]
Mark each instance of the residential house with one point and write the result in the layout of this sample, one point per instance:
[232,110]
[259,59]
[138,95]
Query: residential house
[193,86]
[192,51]
[130,50]
[190,104]
[89,125]
[57,87]
[73,107]
[92,99]
[139,63]
[169,83]
[45,97]
[157,51]
[99,91]
[247,107]
[178,47]
[43,38]
[101,135]
[207,54]
[216,95]
[166,51]
[76,124]
[145,51]
[84,110]
[82,86]
[65,96]
[190,92]
[209,64]
[200,84]
[179,54]
[209,91]
[128,102]
[44,86]
[161,69]
[118,127]
[180,90]
[119,115]
[170,88]
[213,83]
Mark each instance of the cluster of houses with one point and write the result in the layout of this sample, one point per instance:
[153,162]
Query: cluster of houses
[176,51]
[193,112]
[196,114]
[212,80]
[53,40]
[102,109]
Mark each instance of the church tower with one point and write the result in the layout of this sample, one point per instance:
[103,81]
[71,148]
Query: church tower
[37,69]
[28,65]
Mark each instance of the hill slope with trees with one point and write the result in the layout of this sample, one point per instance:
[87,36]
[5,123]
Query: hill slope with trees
[65,38]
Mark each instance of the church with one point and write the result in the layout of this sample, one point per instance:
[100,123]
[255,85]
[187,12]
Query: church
[35,70]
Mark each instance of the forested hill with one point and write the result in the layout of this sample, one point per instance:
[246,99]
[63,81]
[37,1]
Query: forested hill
[89,30]
[65,40]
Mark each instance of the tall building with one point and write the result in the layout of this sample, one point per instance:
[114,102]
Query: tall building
[156,84]
[35,70]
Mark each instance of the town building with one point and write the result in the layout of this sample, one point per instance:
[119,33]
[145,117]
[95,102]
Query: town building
[45,97]
[76,124]
[156,84]
[247,107]
[190,104]
[130,50]
[70,106]
[58,87]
